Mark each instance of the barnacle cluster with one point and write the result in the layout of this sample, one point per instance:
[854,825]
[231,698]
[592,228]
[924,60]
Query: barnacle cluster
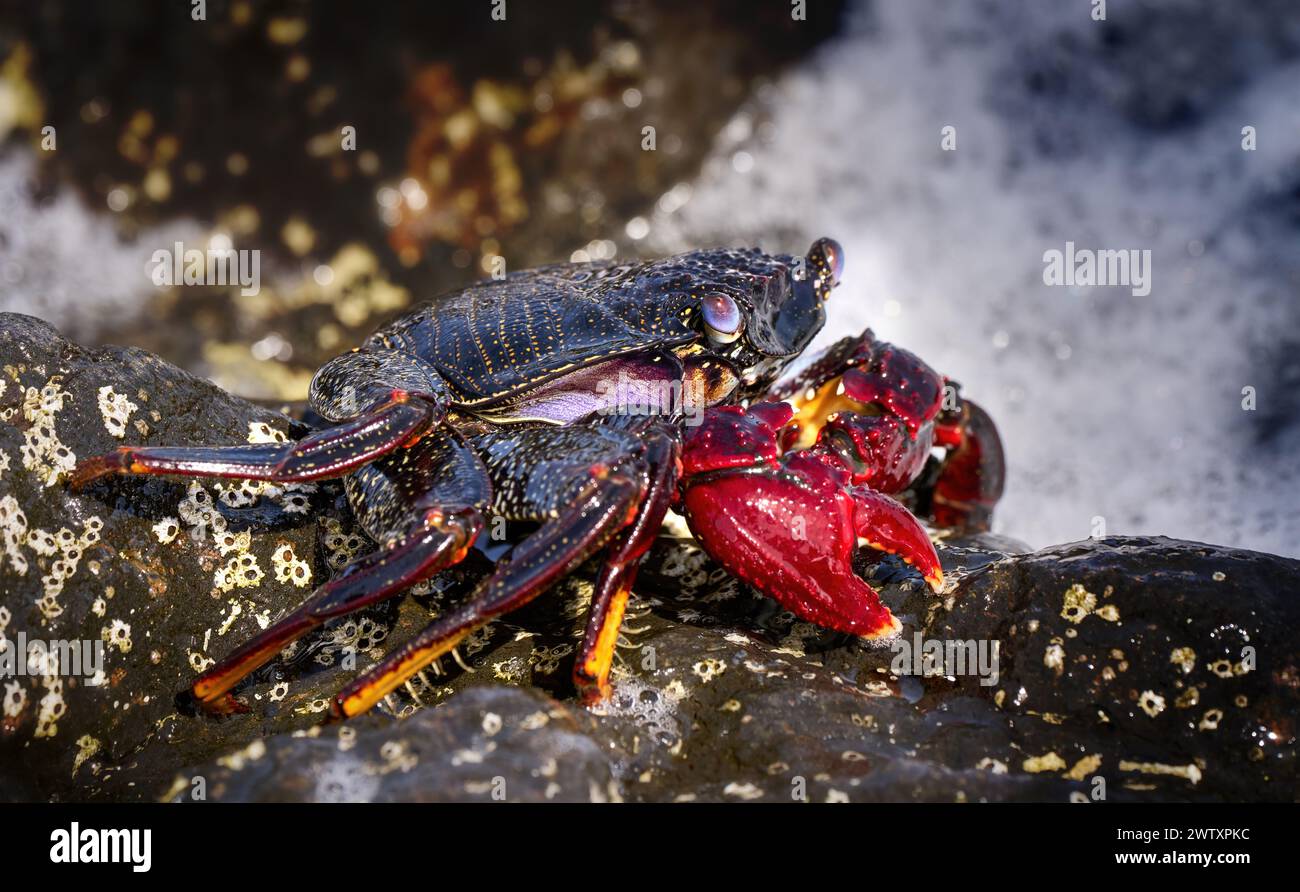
[116,410]
[43,453]
[66,548]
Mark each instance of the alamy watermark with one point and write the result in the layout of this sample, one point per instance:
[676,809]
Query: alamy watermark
[1124,267]
[214,265]
[19,656]
[946,656]
[630,395]
[86,845]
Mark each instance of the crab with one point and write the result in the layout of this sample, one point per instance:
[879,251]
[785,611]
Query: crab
[587,401]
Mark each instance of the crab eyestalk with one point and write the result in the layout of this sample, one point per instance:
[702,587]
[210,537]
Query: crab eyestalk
[826,262]
[789,524]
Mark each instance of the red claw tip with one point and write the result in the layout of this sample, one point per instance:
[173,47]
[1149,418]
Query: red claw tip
[890,527]
[890,627]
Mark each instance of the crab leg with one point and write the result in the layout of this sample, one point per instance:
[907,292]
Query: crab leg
[603,506]
[424,505]
[971,475]
[438,541]
[332,452]
[881,409]
[614,585]
[872,403]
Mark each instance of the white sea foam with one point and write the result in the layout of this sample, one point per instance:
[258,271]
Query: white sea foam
[66,264]
[1114,406]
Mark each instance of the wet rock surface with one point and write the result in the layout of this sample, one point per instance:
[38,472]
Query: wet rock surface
[1137,669]
[489,744]
[1149,657]
[145,577]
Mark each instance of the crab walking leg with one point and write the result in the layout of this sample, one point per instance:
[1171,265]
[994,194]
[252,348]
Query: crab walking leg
[614,585]
[604,506]
[331,452]
[972,473]
[440,540]
[881,409]
[423,504]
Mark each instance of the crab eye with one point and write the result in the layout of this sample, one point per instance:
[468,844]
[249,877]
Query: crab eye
[834,259]
[827,256]
[722,319]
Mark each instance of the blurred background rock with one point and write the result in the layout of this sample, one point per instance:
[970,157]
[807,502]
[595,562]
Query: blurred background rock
[473,138]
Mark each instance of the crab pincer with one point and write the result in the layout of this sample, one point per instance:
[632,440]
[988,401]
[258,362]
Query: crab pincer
[789,523]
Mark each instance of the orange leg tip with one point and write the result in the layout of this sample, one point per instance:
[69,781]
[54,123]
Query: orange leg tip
[594,694]
[345,706]
[209,687]
[190,703]
[91,469]
[592,683]
[936,580]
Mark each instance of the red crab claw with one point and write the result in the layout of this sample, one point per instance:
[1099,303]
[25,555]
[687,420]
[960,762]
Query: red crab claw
[789,524]
[873,403]
[883,410]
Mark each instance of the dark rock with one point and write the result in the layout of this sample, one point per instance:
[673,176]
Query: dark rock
[489,744]
[133,570]
[1175,664]
[1122,664]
